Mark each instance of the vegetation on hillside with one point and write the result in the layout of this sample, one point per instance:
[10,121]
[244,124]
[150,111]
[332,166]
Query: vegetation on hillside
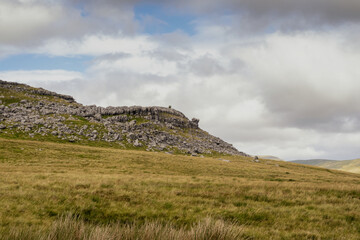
[107,190]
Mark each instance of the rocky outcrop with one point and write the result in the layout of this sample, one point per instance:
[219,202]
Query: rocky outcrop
[37,113]
[39,91]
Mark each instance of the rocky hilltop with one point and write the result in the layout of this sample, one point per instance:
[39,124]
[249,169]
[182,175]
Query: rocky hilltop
[36,113]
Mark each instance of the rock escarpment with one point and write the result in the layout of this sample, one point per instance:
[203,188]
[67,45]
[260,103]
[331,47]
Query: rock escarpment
[28,112]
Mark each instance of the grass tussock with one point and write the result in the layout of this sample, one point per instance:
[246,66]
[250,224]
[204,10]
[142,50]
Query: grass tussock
[72,228]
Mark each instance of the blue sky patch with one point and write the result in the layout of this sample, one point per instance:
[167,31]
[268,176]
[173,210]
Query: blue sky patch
[44,62]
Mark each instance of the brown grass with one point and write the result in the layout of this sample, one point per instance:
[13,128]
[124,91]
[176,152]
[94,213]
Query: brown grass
[111,189]
[70,228]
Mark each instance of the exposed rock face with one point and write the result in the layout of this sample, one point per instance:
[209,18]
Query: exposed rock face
[32,112]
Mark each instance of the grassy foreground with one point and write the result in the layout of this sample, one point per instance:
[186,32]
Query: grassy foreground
[67,191]
[71,228]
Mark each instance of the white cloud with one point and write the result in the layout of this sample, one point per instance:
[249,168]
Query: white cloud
[21,21]
[137,64]
[98,45]
[40,76]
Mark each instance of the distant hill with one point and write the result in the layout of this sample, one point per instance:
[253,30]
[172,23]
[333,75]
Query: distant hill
[270,157]
[315,162]
[344,165]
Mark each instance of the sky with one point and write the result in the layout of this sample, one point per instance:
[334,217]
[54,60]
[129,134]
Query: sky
[272,77]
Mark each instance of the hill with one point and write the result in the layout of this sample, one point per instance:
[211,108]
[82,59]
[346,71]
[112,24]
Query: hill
[270,157]
[35,113]
[344,165]
[157,193]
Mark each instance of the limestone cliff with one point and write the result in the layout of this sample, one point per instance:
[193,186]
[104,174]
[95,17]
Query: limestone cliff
[27,112]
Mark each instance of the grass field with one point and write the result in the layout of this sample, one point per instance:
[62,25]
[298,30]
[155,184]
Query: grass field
[66,191]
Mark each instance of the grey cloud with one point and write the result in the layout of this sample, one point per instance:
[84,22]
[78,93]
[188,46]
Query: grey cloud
[107,16]
[110,57]
[207,66]
[39,21]
[276,14]
[329,10]
[29,24]
[151,23]
[204,66]
[175,40]
[168,55]
[268,12]
[299,104]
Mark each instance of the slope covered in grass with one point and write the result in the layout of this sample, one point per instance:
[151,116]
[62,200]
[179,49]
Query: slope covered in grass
[107,187]
[344,165]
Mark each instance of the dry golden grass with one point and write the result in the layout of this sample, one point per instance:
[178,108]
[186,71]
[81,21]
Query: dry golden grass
[70,228]
[109,190]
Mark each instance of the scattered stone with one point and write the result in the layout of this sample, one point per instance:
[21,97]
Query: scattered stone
[71,118]
[195,122]
[137,143]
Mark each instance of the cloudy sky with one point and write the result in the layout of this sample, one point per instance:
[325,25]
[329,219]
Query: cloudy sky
[279,77]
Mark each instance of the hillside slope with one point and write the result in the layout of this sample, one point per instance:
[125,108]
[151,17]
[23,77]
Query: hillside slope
[270,157]
[42,181]
[344,165]
[35,113]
